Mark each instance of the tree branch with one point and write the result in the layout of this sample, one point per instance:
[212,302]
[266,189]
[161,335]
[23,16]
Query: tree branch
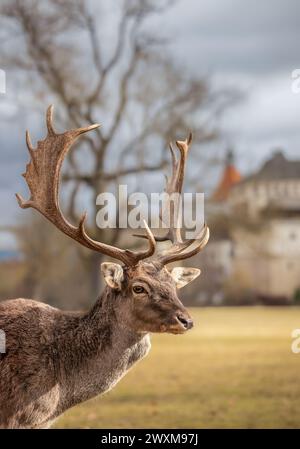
[108,177]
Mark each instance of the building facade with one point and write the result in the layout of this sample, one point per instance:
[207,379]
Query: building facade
[262,238]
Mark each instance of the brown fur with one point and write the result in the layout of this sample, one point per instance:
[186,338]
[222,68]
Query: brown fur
[55,360]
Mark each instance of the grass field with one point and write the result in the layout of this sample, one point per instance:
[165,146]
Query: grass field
[234,369]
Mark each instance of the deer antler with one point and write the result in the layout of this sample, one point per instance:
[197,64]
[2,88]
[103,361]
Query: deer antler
[174,187]
[43,175]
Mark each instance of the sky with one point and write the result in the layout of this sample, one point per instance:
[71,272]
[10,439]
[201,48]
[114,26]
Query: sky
[250,46]
[254,47]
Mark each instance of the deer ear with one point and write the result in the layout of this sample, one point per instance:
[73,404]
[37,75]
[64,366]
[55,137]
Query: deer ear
[113,274]
[184,275]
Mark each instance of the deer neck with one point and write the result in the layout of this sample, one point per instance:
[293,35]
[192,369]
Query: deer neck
[109,322]
[98,349]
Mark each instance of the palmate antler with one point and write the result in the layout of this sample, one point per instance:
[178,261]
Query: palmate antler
[180,249]
[174,186]
[43,175]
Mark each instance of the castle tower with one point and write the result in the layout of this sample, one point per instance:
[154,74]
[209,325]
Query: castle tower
[230,177]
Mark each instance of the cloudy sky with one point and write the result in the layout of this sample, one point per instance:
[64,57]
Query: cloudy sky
[251,46]
[255,47]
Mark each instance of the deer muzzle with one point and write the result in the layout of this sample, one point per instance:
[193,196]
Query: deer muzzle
[185,321]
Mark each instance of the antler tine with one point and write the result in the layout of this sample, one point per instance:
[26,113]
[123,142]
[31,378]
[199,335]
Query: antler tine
[173,156]
[180,249]
[42,176]
[174,186]
[183,146]
[28,143]
[30,149]
[152,244]
[49,121]
[177,252]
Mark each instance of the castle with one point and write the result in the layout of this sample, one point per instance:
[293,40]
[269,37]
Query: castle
[255,252]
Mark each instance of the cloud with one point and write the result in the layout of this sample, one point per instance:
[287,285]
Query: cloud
[235,36]
[252,47]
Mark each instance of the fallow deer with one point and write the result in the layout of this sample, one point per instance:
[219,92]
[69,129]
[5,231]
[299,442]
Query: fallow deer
[55,359]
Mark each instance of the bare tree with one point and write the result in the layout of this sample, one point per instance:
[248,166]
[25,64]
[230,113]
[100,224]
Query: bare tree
[120,76]
[48,271]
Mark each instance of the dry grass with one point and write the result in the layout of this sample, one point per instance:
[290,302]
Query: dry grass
[235,369]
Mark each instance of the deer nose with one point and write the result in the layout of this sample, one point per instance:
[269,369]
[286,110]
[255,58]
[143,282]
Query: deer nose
[186,322]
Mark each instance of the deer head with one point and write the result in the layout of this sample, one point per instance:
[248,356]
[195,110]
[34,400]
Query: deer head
[144,287]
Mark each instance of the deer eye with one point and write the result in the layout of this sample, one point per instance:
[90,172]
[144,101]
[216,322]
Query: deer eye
[138,289]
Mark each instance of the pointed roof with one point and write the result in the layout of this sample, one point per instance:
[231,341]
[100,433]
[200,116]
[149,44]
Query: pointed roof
[230,177]
[278,167]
